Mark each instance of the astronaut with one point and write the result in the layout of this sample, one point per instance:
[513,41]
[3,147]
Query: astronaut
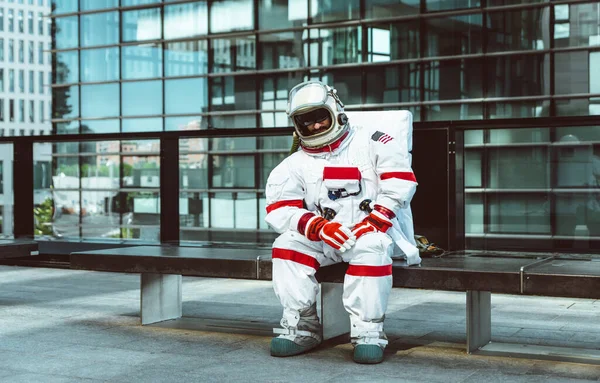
[314,200]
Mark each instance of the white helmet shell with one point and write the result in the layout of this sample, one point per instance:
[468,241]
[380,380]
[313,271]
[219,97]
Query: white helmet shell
[312,95]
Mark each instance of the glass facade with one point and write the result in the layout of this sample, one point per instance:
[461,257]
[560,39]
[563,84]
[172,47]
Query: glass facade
[162,66]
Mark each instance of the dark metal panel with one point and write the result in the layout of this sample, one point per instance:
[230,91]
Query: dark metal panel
[23,189]
[16,248]
[169,190]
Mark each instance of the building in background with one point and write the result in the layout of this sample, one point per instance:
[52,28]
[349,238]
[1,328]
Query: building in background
[25,93]
[148,65]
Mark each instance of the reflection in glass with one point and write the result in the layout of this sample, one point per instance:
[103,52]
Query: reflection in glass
[443,112]
[232,144]
[101,100]
[578,134]
[473,169]
[186,96]
[193,162]
[268,162]
[346,82]
[516,109]
[193,210]
[334,46]
[282,14]
[66,67]
[280,142]
[130,125]
[398,83]
[517,136]
[140,215]
[185,123]
[99,65]
[100,126]
[576,165]
[65,102]
[393,41]
[140,171]
[442,5]
[233,210]
[454,35]
[186,20]
[233,121]
[186,58]
[64,6]
[231,15]
[125,3]
[66,31]
[234,54]
[521,75]
[578,214]
[282,50]
[474,213]
[274,96]
[141,25]
[233,171]
[389,8]
[70,127]
[100,29]
[323,11]
[519,168]
[515,213]
[576,25]
[573,72]
[453,79]
[90,5]
[141,61]
[233,93]
[141,98]
[517,30]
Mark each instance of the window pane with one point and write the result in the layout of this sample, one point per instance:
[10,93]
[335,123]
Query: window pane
[233,171]
[126,3]
[397,83]
[519,168]
[130,125]
[144,171]
[517,30]
[141,61]
[100,126]
[393,41]
[186,20]
[188,95]
[231,15]
[474,213]
[579,23]
[268,162]
[193,161]
[193,211]
[444,112]
[346,82]
[67,31]
[141,98]
[67,70]
[275,90]
[280,142]
[141,25]
[513,213]
[323,11]
[282,50]
[100,100]
[334,46]
[233,121]
[90,5]
[186,58]
[233,144]
[453,79]
[235,54]
[233,93]
[521,75]
[65,101]
[389,8]
[100,64]
[518,109]
[442,5]
[64,6]
[282,14]
[100,29]
[185,123]
[454,35]
[514,136]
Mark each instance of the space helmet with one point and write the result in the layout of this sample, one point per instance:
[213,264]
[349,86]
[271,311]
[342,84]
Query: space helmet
[313,101]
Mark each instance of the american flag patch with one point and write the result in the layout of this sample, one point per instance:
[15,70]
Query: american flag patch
[381,137]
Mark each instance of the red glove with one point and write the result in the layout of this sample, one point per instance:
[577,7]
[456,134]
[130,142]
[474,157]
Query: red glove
[332,233]
[379,220]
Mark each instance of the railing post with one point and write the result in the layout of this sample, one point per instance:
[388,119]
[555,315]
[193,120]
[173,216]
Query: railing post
[169,190]
[23,189]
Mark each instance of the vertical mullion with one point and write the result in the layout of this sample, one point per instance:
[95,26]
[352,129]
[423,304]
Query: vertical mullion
[23,191]
[169,190]
[422,43]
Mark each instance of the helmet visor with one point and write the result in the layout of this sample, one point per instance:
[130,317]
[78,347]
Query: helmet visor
[307,96]
[307,119]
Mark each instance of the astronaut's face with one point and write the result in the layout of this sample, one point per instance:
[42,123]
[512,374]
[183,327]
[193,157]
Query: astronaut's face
[314,122]
[320,126]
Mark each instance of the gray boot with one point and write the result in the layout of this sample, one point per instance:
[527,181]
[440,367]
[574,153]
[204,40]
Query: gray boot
[301,332]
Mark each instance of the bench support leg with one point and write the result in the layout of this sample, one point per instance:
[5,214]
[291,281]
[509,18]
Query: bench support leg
[479,320]
[334,317]
[161,297]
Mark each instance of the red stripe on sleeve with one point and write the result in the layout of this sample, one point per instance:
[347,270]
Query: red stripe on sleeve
[292,202]
[303,221]
[407,176]
[369,271]
[294,256]
[339,173]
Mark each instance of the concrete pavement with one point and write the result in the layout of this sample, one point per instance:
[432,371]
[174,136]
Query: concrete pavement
[76,326]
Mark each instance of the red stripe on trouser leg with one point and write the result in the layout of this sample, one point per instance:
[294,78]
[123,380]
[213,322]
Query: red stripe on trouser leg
[369,271]
[294,256]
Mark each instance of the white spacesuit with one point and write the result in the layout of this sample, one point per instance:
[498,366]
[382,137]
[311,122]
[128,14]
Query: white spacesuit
[334,201]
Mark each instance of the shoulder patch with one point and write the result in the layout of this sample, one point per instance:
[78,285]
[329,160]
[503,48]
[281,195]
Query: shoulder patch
[381,137]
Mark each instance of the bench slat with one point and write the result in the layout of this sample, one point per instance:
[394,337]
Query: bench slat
[13,248]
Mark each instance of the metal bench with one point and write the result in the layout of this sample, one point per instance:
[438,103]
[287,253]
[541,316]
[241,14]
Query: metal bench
[479,275]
